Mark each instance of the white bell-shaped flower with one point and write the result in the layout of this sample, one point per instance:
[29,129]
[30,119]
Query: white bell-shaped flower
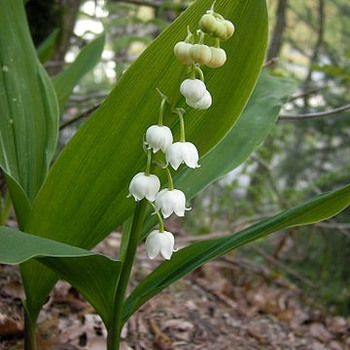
[171,201]
[182,152]
[193,89]
[159,137]
[160,242]
[203,103]
[144,186]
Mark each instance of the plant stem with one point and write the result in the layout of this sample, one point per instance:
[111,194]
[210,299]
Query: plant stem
[161,109]
[6,205]
[29,330]
[180,112]
[170,179]
[113,338]
[149,162]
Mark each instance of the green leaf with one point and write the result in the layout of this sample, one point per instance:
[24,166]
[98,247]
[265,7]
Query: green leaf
[255,123]
[88,57]
[188,259]
[95,276]
[28,110]
[47,48]
[89,180]
[17,247]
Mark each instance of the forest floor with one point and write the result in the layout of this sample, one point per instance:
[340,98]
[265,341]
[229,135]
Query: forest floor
[230,303]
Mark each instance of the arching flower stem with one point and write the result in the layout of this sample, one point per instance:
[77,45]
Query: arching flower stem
[201,37]
[149,162]
[199,72]
[170,179]
[189,37]
[180,112]
[162,107]
[160,219]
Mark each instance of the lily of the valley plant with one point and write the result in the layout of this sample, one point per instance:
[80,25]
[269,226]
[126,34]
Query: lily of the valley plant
[191,108]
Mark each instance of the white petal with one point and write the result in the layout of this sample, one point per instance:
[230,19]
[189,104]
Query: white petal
[144,186]
[174,155]
[179,205]
[169,201]
[167,246]
[203,103]
[163,202]
[160,242]
[159,137]
[193,89]
[190,155]
[153,187]
[152,244]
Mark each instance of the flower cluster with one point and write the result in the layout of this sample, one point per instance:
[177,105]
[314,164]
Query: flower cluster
[210,56]
[195,54]
[165,202]
[159,142]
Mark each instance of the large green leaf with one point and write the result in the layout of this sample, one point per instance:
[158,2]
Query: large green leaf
[84,196]
[28,110]
[197,254]
[88,57]
[94,275]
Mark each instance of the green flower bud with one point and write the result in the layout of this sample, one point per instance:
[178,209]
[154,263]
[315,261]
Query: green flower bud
[182,51]
[225,30]
[218,57]
[215,25]
[201,53]
[208,23]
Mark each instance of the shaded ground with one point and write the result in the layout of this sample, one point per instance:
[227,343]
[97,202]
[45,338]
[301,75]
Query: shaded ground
[228,304]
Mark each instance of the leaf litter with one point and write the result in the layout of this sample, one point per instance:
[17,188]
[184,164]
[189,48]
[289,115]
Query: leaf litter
[229,303]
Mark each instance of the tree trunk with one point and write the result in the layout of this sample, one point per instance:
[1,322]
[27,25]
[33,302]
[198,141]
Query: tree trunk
[277,36]
[44,17]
